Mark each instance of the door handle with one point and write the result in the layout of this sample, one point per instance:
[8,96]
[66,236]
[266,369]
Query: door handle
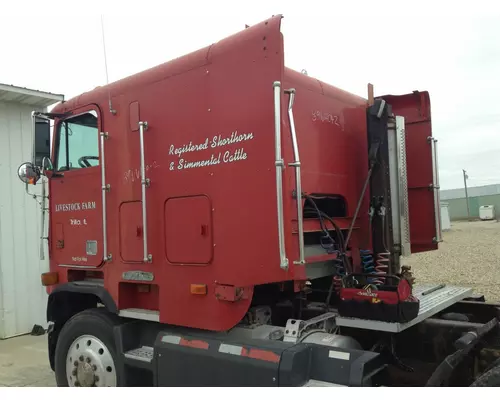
[204,230]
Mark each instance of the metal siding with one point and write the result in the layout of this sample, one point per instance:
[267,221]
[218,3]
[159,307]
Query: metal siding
[22,298]
[33,98]
[458,207]
[473,191]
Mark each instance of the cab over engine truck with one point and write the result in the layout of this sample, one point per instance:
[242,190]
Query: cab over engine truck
[222,220]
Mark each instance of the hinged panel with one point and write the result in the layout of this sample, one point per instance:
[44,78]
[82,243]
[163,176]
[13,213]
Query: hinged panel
[131,231]
[134,116]
[421,166]
[188,230]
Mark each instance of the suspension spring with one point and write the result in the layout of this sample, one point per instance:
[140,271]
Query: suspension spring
[367,261]
[382,267]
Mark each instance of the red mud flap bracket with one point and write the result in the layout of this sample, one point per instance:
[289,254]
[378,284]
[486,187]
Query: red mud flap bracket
[230,293]
[198,361]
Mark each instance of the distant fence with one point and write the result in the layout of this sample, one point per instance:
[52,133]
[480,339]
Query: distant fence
[458,207]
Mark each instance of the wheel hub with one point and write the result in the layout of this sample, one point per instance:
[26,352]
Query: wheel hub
[85,374]
[89,363]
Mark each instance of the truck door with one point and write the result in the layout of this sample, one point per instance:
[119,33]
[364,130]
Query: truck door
[75,191]
[422,170]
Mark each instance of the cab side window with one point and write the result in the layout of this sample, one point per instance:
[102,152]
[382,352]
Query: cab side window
[78,142]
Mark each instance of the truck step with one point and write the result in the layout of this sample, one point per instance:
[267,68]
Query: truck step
[316,383]
[433,299]
[144,354]
[139,313]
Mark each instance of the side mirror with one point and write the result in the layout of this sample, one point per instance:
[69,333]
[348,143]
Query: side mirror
[41,145]
[28,173]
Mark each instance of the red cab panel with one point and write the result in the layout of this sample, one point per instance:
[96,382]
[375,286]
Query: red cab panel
[421,168]
[188,220]
[131,232]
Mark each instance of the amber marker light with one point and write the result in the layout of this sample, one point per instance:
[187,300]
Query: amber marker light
[49,278]
[198,289]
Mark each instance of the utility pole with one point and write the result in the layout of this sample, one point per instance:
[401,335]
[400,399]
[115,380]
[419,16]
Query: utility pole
[466,194]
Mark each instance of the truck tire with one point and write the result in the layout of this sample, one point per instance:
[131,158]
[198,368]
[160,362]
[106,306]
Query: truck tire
[86,352]
[490,378]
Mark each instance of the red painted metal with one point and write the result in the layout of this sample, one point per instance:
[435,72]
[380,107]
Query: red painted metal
[213,222]
[263,355]
[195,344]
[74,220]
[230,293]
[416,109]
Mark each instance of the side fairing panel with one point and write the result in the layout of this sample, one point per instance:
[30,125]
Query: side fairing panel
[209,154]
[331,133]
[422,173]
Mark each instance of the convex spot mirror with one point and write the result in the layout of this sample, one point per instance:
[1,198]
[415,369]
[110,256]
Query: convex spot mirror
[28,173]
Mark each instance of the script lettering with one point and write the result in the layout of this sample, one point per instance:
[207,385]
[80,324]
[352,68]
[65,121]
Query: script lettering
[210,159]
[132,175]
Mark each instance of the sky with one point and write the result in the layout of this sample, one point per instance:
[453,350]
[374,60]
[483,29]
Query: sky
[451,50]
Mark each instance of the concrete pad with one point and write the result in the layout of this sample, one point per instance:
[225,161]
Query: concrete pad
[24,362]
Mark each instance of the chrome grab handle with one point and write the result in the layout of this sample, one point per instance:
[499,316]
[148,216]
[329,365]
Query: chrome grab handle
[435,188]
[104,188]
[298,183]
[279,174]
[42,220]
[33,138]
[143,125]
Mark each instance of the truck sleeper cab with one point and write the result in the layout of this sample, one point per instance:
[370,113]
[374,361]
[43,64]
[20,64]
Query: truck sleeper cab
[206,213]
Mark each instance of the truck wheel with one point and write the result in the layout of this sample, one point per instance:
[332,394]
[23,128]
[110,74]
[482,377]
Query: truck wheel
[86,353]
[490,378]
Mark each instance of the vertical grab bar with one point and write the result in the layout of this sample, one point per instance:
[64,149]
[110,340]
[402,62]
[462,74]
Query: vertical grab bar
[104,188]
[298,182]
[279,174]
[143,125]
[33,138]
[435,188]
[42,220]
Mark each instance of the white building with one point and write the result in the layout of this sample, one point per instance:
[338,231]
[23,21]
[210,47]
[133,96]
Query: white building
[23,299]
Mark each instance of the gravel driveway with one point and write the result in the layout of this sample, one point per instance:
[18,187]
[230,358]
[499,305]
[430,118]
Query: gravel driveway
[469,256]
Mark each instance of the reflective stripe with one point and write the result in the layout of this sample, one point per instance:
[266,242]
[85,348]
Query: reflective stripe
[256,354]
[171,339]
[230,349]
[339,355]
[195,344]
[264,355]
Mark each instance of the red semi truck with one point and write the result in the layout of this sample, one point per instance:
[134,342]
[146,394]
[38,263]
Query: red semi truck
[224,220]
